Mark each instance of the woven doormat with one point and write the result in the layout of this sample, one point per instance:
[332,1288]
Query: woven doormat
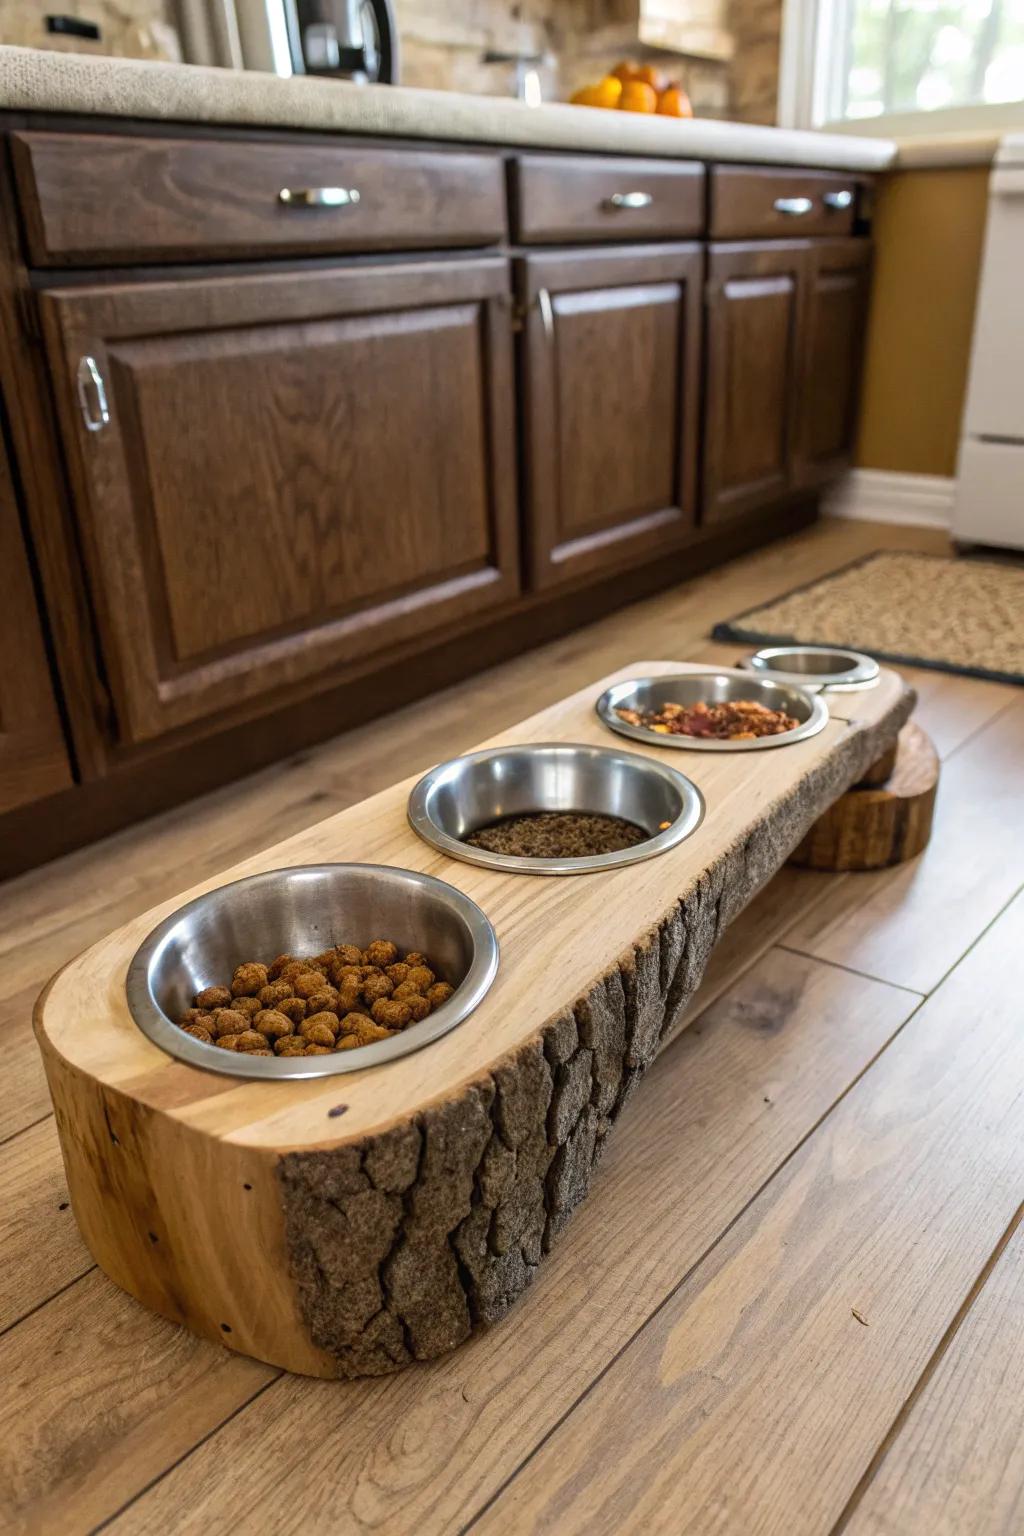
[953,615]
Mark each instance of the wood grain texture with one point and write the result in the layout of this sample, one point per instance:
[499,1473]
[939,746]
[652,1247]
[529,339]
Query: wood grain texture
[754,377]
[422,1177]
[611,402]
[33,757]
[566,198]
[759,1393]
[723,1107]
[909,924]
[247,521]
[98,198]
[106,1396]
[874,826]
[838,273]
[38,1238]
[957,1464]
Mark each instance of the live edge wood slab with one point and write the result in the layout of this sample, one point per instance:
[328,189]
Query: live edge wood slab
[350,1225]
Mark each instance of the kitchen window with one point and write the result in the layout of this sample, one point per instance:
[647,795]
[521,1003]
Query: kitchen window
[852,61]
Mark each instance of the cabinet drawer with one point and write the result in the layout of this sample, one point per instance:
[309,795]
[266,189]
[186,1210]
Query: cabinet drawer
[563,197]
[97,198]
[751,204]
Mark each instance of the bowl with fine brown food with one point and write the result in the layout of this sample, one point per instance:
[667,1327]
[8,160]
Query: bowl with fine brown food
[554,808]
[726,710]
[311,971]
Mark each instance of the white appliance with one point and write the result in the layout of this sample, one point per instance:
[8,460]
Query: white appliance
[989,501]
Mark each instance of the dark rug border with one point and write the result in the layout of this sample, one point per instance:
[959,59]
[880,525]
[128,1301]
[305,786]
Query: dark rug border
[733,629]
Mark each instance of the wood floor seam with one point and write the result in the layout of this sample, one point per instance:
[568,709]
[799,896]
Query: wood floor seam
[894,1431]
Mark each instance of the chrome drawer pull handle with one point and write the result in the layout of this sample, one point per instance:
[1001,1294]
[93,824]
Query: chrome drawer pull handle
[318,197]
[629,200]
[547,314]
[836,201]
[91,391]
[793,207]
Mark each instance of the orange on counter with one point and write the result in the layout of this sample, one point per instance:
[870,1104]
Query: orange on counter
[638,96]
[605,94]
[674,102]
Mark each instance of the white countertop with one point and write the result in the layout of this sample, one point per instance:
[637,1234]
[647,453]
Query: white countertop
[41,81]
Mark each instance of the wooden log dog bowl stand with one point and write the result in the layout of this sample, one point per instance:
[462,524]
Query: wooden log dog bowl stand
[348,1225]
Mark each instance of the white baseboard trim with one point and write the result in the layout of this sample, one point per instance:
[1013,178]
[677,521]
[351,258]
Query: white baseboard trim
[882,496]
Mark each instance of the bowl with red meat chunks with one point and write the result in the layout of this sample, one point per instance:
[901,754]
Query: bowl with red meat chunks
[716,711]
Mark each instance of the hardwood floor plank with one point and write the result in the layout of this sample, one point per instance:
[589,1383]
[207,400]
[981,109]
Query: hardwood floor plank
[723,1107]
[756,1397]
[25,1098]
[952,709]
[42,1251]
[909,924]
[98,1396]
[958,1463]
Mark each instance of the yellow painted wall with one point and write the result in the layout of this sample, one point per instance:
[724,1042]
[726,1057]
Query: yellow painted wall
[928,227]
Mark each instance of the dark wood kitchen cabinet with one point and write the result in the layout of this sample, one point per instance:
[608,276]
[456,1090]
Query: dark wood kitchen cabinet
[755,299]
[33,758]
[278,475]
[611,355]
[835,317]
[785,327]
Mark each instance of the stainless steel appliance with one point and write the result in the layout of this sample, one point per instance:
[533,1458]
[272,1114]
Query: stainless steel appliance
[345,39]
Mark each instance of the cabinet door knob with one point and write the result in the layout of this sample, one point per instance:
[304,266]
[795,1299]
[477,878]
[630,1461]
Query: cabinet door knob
[793,207]
[318,197]
[92,395]
[629,200]
[837,201]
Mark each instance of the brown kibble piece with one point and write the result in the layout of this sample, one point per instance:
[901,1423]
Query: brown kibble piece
[418,1006]
[324,1001]
[368,1032]
[274,970]
[415,957]
[273,993]
[249,1007]
[227,1042]
[421,977]
[348,954]
[248,979]
[397,972]
[325,958]
[199,1032]
[213,997]
[315,1032]
[293,1008]
[349,997]
[290,1045]
[380,952]
[389,1013]
[318,1050]
[439,993]
[377,986]
[292,969]
[228,1021]
[348,1043]
[251,1040]
[309,982]
[195,1016]
[273,1024]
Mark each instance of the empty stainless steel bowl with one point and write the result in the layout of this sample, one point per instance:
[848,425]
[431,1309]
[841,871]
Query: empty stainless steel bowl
[466,793]
[720,687]
[301,911]
[815,666]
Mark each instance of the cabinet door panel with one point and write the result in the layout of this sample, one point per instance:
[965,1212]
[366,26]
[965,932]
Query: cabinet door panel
[612,353]
[33,757]
[754,374]
[297,472]
[837,293]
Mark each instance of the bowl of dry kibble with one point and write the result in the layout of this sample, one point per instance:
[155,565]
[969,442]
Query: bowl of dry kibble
[311,971]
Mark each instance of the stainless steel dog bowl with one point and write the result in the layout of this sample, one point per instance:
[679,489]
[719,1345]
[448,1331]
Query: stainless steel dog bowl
[721,687]
[302,911]
[815,666]
[465,793]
